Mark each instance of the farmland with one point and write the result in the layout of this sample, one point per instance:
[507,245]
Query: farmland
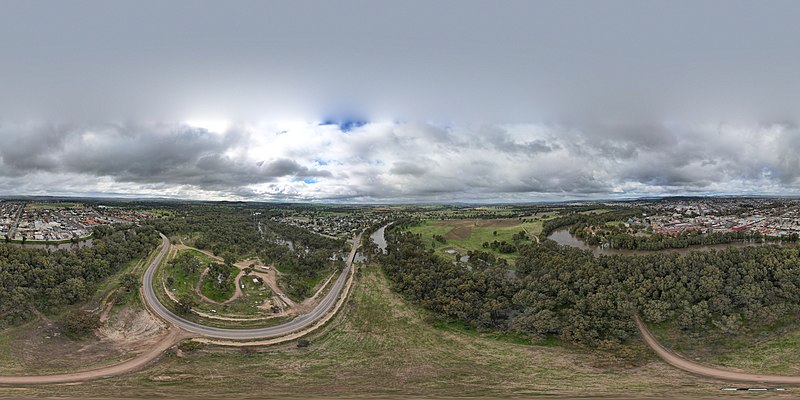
[465,235]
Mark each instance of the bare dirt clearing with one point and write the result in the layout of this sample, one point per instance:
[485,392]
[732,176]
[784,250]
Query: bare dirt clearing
[40,347]
[154,349]
[130,326]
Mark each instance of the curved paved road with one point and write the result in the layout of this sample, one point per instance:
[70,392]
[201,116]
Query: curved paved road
[243,334]
[187,328]
[710,372]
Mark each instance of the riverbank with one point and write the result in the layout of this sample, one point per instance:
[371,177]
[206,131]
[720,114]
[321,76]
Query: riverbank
[563,237]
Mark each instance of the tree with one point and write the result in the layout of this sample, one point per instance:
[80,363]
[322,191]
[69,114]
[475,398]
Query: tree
[79,323]
[129,282]
[57,278]
[185,304]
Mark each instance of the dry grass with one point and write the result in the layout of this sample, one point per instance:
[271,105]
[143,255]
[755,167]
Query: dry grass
[39,347]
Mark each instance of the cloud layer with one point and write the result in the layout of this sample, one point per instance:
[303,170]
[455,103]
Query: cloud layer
[378,162]
[475,100]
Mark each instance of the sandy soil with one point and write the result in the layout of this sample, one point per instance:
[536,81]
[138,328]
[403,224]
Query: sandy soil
[107,304]
[156,348]
[131,326]
[40,346]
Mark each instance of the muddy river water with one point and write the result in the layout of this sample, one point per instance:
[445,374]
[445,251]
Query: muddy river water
[563,237]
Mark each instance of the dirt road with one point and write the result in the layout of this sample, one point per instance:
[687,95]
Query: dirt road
[173,336]
[710,372]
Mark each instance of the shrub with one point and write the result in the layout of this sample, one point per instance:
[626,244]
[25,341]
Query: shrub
[79,323]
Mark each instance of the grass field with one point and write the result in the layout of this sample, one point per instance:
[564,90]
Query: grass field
[160,212]
[381,346]
[184,282]
[772,349]
[213,291]
[7,359]
[313,282]
[470,234]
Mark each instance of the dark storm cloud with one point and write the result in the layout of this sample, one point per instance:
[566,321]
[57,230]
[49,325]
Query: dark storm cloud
[401,162]
[161,154]
[405,168]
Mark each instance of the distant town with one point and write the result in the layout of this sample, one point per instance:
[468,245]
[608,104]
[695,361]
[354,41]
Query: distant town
[770,217]
[57,222]
[337,224]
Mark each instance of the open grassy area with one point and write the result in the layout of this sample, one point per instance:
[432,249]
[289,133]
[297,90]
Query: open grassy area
[596,211]
[769,349]
[7,359]
[313,283]
[252,297]
[381,346]
[183,282]
[777,354]
[214,290]
[470,234]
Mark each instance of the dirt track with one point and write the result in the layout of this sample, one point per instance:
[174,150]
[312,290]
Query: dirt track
[173,336]
[710,372]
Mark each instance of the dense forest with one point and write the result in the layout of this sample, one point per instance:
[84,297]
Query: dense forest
[572,217]
[46,280]
[655,241]
[568,293]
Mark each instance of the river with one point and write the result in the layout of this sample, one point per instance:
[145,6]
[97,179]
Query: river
[563,237]
[379,239]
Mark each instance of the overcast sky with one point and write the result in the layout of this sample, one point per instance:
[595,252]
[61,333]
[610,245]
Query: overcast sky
[374,101]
